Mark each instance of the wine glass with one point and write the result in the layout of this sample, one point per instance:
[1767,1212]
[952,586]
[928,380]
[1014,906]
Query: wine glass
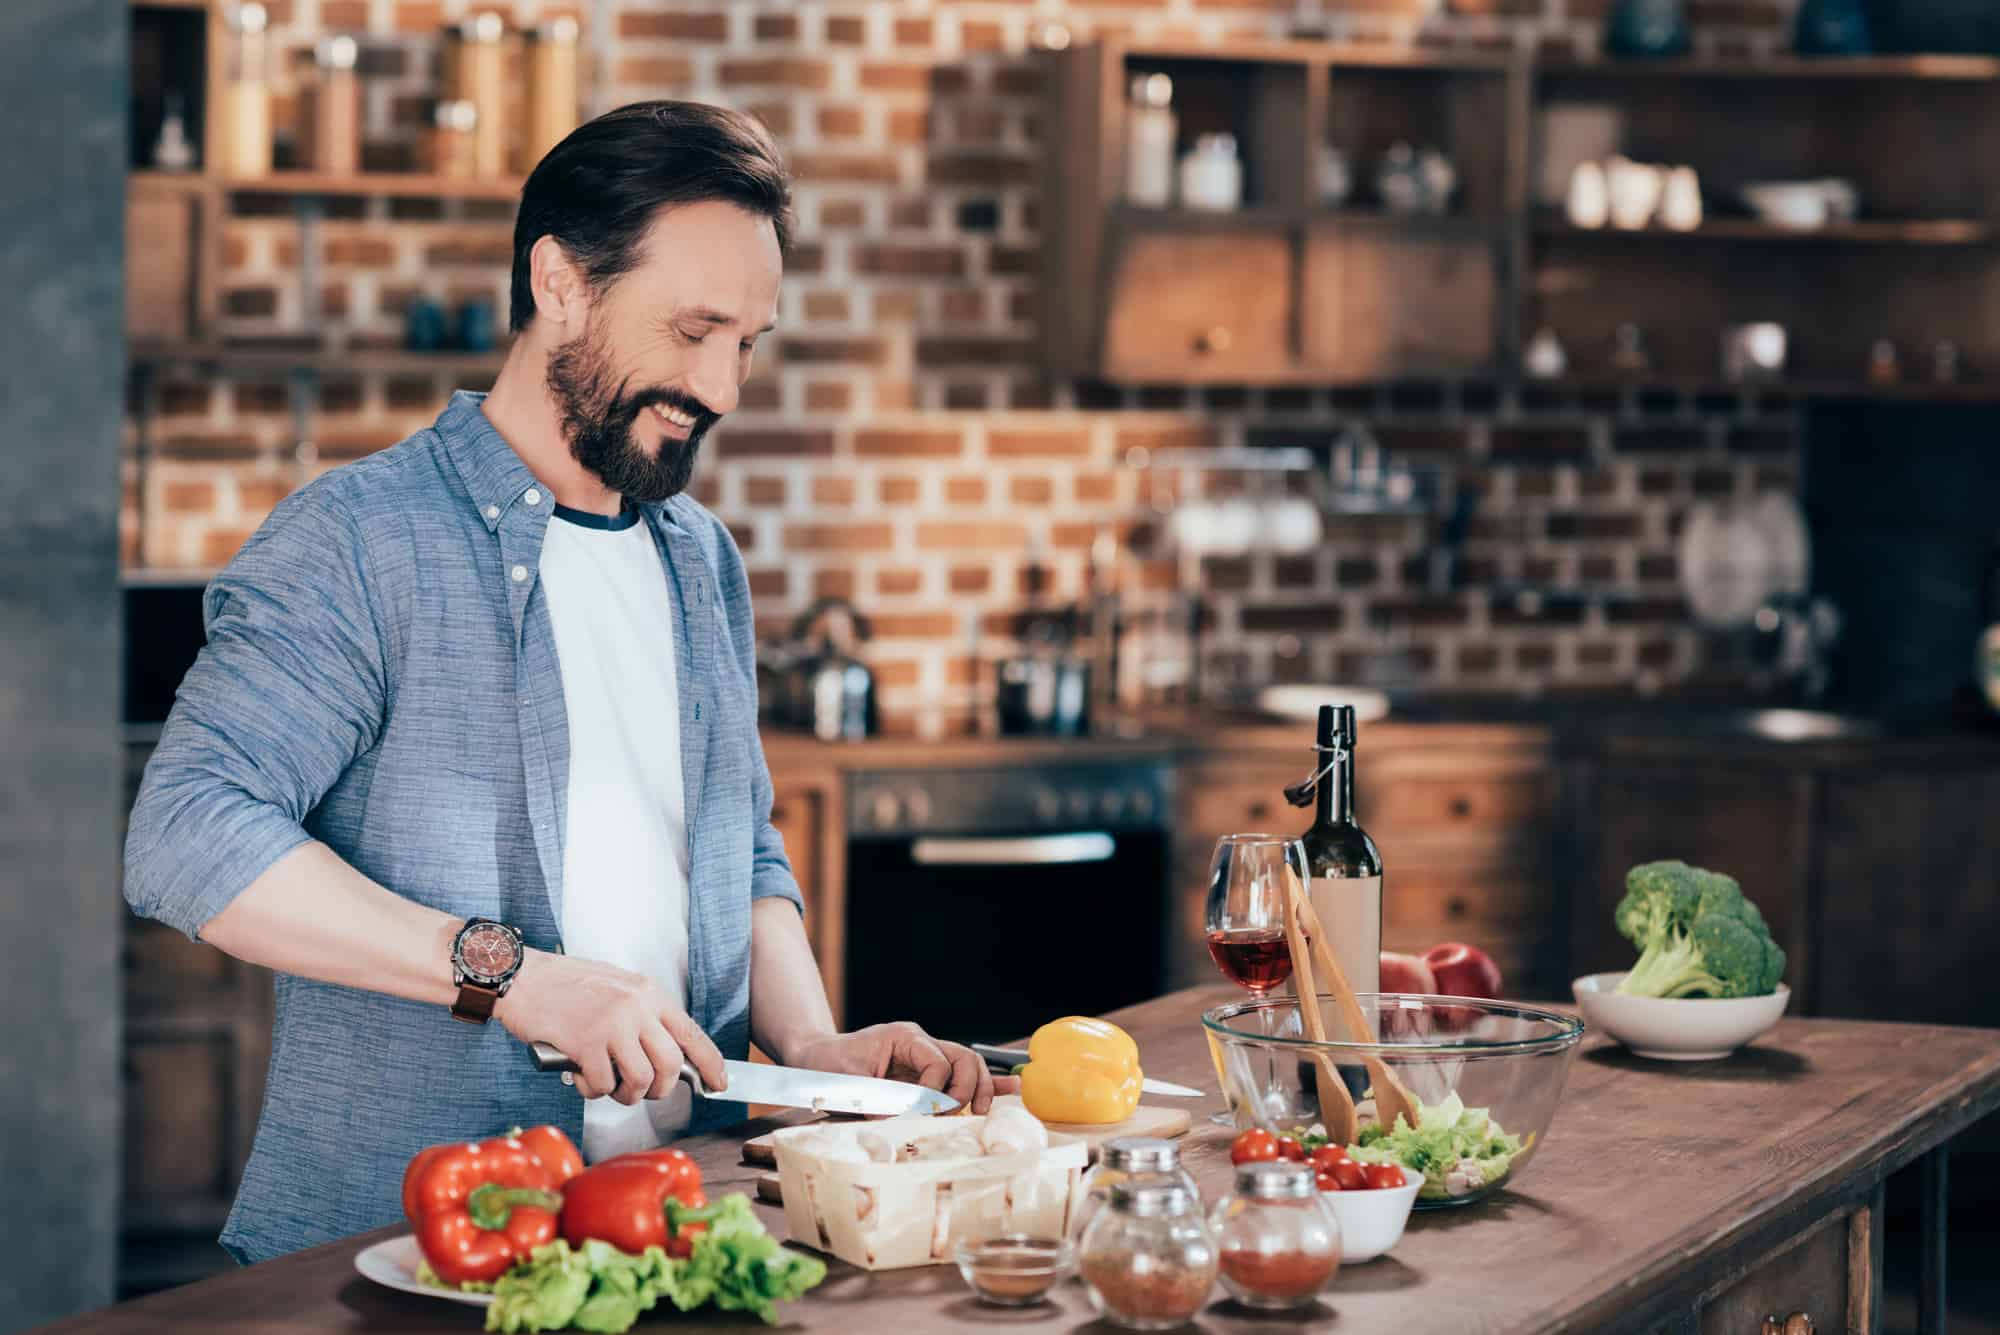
[1248,900]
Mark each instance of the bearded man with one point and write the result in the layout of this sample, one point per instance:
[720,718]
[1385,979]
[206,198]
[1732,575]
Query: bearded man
[471,756]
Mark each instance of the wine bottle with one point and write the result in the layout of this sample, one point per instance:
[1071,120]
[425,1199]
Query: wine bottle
[1987,665]
[1343,862]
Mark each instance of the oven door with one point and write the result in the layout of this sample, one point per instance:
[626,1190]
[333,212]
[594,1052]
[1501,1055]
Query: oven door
[987,937]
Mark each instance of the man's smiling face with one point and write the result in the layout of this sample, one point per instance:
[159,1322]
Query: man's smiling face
[666,346]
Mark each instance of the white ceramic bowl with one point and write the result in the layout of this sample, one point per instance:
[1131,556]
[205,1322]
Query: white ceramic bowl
[1676,1029]
[1371,1222]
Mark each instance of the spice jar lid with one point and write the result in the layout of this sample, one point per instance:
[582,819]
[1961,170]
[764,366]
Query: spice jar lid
[1141,1154]
[338,53]
[1282,1180]
[1148,1197]
[563,30]
[486,27]
[457,115]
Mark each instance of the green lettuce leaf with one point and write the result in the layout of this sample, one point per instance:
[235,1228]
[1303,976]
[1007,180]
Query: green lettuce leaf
[734,1264]
[1446,1134]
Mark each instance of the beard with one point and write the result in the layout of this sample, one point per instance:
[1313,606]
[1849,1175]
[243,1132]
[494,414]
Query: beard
[598,414]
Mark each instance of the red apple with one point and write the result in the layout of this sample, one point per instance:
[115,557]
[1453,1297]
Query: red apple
[1463,971]
[1406,973]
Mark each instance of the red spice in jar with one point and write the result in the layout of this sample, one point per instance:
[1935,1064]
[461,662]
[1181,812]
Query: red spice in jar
[1293,1274]
[1156,1293]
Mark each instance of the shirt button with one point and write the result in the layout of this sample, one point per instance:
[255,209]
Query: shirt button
[520,574]
[492,512]
[533,497]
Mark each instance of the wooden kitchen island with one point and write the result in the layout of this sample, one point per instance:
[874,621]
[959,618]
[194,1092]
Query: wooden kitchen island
[1667,1199]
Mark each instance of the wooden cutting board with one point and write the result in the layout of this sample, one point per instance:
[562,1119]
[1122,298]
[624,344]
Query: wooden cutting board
[1147,1120]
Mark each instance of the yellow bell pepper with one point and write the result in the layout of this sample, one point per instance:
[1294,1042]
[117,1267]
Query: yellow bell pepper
[1081,1070]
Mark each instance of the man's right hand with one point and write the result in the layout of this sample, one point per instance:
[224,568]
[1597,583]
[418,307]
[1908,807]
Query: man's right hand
[602,1015]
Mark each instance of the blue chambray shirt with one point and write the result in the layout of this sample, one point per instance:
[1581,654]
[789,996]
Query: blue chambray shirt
[380,675]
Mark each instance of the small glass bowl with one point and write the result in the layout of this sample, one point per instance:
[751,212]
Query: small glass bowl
[1014,1269]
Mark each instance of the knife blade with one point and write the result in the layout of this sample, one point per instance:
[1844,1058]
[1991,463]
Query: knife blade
[1005,1060]
[790,1087]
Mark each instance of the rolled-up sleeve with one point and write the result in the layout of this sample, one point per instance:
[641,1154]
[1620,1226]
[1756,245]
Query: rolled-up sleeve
[771,875]
[290,689]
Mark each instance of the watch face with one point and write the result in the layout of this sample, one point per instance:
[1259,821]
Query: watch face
[489,951]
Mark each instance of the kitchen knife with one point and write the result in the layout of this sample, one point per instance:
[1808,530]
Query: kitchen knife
[1005,1060]
[789,1087]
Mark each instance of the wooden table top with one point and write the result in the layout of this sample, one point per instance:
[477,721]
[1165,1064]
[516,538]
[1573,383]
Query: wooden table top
[1650,1173]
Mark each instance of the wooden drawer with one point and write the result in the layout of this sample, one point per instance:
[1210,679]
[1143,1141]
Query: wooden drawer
[178,1095]
[1448,808]
[1187,308]
[1809,1276]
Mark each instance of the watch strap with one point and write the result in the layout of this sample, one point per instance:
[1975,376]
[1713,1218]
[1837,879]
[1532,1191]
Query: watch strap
[474,1004]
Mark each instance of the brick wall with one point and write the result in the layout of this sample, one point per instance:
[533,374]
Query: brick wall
[896,444]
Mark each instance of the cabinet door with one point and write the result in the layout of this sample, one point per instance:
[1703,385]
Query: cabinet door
[163,249]
[1186,308]
[803,811]
[1908,896]
[1716,811]
[1383,300]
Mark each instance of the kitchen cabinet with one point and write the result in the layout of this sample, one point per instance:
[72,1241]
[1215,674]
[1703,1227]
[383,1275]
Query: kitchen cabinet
[805,810]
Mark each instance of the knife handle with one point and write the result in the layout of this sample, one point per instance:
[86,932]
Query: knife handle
[549,1057]
[1004,1060]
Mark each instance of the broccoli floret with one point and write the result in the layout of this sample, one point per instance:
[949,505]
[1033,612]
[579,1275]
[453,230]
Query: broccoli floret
[1697,935]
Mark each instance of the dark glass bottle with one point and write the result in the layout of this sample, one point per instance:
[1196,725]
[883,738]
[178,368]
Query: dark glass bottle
[1987,665]
[1343,862]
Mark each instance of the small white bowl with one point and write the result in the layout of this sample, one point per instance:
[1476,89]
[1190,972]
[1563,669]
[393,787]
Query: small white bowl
[1371,1222]
[1676,1029]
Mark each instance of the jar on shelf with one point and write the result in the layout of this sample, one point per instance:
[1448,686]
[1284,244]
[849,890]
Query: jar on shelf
[246,94]
[1123,1159]
[330,130]
[1277,1240]
[1150,128]
[552,89]
[1212,175]
[448,150]
[1148,1260]
[476,72]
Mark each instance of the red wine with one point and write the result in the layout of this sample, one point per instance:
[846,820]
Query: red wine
[1256,958]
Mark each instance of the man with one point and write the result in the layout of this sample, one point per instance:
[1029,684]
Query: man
[475,732]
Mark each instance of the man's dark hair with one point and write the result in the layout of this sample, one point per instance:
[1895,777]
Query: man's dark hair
[598,190]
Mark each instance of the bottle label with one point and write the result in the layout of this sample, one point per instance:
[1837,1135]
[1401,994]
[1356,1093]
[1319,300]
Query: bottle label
[1350,913]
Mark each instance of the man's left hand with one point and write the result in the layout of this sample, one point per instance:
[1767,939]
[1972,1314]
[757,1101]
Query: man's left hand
[903,1051]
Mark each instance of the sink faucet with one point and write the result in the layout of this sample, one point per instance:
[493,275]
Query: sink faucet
[1796,633]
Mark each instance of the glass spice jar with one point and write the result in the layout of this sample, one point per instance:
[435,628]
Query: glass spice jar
[1148,1260]
[1125,1158]
[1279,1242]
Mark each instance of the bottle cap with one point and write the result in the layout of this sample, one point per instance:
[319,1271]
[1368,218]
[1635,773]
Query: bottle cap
[1279,1180]
[1336,726]
[1141,1154]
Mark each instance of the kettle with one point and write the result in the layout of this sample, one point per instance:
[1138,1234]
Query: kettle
[828,691]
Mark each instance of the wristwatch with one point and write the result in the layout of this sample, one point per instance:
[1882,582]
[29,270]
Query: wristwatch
[485,956]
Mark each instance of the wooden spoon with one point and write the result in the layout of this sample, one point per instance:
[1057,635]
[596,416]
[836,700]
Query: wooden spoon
[1392,1097]
[1336,1105]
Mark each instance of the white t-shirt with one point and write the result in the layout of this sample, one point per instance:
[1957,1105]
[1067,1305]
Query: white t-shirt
[625,861]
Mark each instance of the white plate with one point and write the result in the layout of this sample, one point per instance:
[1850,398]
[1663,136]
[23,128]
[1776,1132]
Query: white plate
[393,1263]
[1303,702]
[1676,1029]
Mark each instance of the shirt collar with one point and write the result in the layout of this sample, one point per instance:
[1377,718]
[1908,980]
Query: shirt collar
[493,473]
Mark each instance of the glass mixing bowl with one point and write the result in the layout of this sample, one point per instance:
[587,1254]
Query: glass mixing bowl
[1503,1063]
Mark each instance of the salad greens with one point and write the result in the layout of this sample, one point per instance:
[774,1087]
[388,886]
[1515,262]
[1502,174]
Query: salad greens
[426,1275]
[734,1264]
[1457,1149]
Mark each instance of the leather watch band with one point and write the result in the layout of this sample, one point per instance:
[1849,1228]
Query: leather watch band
[474,1004]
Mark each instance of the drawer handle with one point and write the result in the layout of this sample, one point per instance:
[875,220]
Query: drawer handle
[1259,810]
[1798,1323]
[1460,807]
[1214,339]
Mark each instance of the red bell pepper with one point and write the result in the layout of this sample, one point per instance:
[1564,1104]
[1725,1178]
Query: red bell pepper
[649,1199]
[479,1207]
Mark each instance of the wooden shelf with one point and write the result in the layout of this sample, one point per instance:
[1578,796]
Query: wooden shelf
[1831,68]
[395,185]
[1433,224]
[1808,387]
[1891,232]
[1137,218]
[170,4]
[282,358]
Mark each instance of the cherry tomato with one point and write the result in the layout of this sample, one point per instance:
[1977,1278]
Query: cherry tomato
[1291,1149]
[1379,1176]
[1348,1174]
[1326,1156]
[1327,1181]
[1253,1146]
